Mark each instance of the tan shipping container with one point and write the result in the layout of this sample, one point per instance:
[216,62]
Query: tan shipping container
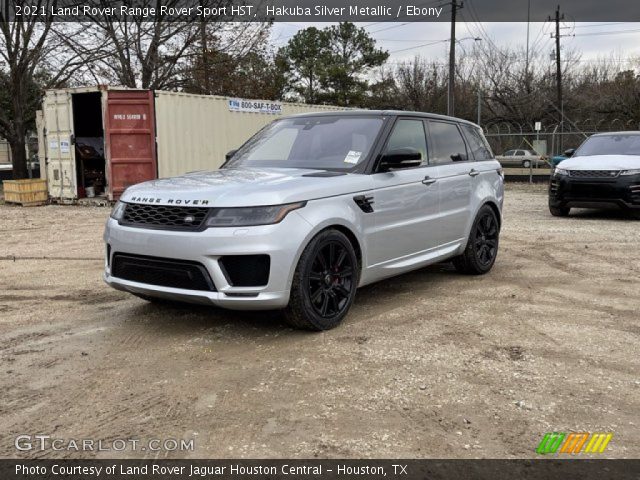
[5,152]
[194,132]
[108,138]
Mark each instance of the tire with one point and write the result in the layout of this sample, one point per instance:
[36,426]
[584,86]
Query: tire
[526,163]
[559,211]
[482,246]
[324,283]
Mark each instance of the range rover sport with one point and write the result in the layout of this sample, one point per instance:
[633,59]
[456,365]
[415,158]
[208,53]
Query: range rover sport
[309,209]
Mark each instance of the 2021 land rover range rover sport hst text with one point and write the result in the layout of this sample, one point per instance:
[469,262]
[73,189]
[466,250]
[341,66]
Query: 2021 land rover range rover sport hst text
[308,210]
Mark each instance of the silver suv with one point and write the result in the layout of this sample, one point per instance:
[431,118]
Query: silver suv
[308,210]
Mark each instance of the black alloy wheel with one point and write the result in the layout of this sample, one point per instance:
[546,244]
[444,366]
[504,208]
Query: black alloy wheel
[330,280]
[324,283]
[482,246]
[486,238]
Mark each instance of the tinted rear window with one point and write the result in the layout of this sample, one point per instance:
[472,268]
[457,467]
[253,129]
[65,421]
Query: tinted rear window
[447,143]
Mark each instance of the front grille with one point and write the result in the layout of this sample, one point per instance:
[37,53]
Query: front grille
[163,272]
[164,217]
[246,270]
[594,173]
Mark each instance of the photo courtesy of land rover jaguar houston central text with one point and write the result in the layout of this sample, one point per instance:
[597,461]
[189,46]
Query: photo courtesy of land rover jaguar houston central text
[308,210]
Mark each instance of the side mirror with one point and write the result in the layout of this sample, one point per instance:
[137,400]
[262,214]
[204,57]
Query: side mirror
[230,154]
[569,152]
[400,158]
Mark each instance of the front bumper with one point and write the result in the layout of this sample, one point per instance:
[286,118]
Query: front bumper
[622,191]
[282,242]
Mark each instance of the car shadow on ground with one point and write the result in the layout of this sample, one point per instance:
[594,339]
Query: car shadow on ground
[176,317]
[603,214]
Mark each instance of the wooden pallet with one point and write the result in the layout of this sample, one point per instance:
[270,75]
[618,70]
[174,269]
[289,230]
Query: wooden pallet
[30,192]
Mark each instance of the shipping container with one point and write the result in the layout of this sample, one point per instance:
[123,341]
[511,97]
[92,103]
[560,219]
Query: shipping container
[109,137]
[98,137]
[195,132]
[5,152]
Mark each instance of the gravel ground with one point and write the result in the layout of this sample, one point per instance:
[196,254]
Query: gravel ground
[429,364]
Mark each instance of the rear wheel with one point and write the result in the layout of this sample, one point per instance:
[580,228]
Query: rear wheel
[526,163]
[482,247]
[324,283]
[559,211]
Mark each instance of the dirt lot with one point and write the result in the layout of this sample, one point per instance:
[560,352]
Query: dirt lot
[430,364]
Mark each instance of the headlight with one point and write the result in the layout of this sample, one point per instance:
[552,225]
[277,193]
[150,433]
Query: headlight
[250,216]
[635,171]
[118,210]
[561,172]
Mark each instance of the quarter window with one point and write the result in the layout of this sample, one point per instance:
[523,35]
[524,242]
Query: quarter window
[409,133]
[447,143]
[477,145]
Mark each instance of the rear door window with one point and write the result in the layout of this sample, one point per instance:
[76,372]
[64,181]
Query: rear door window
[447,144]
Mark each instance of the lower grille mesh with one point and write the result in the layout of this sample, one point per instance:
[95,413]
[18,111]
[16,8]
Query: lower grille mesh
[164,272]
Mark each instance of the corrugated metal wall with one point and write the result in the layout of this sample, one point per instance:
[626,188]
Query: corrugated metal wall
[194,132]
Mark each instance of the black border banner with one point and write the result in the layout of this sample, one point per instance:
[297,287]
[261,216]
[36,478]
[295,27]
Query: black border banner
[583,469]
[318,10]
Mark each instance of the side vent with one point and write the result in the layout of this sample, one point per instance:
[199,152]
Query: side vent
[365,202]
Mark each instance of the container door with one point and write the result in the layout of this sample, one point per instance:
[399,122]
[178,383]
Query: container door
[60,155]
[41,143]
[130,139]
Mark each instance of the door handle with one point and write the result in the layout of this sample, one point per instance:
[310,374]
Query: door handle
[474,172]
[428,180]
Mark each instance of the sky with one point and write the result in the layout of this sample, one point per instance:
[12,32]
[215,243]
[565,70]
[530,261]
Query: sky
[406,40]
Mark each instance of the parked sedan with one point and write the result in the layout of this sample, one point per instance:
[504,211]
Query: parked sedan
[520,158]
[603,172]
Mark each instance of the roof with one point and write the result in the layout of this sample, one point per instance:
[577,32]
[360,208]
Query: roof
[384,113]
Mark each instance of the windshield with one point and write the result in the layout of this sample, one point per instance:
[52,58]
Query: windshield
[325,143]
[622,144]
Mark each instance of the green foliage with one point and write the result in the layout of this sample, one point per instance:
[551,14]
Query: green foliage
[331,65]
[305,60]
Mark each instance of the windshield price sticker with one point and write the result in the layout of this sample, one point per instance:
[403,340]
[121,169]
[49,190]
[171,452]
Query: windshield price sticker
[352,157]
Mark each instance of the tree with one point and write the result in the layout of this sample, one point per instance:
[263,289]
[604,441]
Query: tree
[352,53]
[31,60]
[254,75]
[305,61]
[158,52]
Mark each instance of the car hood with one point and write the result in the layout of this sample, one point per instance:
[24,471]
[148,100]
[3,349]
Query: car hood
[601,162]
[235,187]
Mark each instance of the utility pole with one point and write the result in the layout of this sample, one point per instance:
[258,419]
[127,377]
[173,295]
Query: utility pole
[205,54]
[559,75]
[526,65]
[479,106]
[452,58]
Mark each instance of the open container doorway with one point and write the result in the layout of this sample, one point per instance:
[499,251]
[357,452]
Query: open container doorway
[98,141]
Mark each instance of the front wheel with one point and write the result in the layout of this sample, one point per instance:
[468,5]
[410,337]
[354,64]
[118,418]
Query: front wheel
[324,283]
[526,163]
[482,247]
